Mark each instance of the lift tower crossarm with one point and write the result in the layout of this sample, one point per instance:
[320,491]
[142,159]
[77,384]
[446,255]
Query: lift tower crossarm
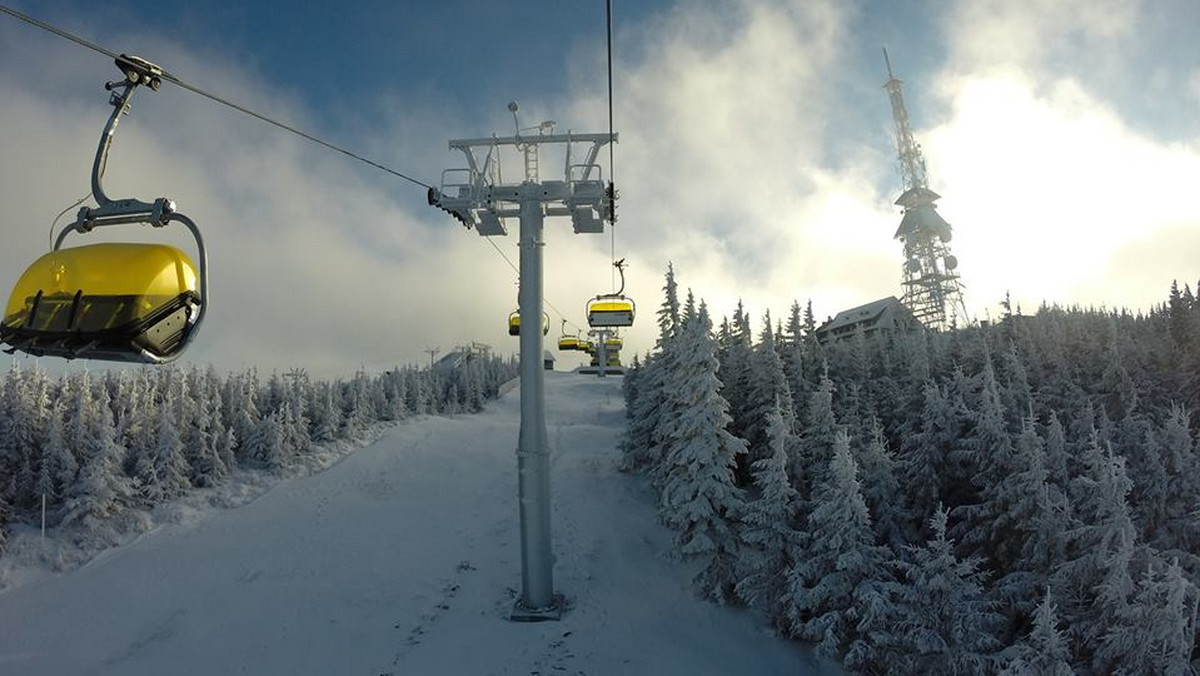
[466,143]
[474,199]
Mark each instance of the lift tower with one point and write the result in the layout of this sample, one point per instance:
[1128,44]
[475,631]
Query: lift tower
[932,290]
[478,198]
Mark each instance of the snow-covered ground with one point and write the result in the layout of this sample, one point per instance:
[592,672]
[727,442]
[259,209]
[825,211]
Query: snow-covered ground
[403,558]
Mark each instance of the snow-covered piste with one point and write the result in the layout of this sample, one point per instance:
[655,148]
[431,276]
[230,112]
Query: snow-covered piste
[403,558]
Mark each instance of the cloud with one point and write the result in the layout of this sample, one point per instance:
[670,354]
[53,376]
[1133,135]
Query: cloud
[725,115]
[1055,196]
[1031,33]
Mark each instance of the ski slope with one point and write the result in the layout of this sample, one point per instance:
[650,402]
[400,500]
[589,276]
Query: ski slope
[403,558]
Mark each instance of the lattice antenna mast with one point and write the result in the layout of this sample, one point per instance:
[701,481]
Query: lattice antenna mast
[932,290]
[912,163]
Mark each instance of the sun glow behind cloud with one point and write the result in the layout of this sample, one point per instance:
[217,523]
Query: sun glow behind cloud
[1049,190]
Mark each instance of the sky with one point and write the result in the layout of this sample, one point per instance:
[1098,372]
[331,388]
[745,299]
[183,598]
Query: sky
[756,154]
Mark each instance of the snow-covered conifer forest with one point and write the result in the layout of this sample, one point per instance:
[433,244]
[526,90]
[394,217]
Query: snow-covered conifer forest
[1021,497]
[95,452]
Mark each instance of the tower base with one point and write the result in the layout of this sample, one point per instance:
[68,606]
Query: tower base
[551,613]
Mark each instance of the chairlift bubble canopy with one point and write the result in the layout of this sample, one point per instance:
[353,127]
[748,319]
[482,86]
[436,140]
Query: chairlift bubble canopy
[113,301]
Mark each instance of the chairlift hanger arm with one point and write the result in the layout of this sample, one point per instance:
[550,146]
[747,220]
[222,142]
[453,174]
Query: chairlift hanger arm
[108,211]
[137,72]
[620,266]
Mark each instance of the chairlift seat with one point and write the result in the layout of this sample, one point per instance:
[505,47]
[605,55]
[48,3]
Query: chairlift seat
[605,311]
[514,323]
[568,343]
[114,301]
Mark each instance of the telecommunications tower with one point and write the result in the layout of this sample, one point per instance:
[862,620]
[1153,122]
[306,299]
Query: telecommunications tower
[932,290]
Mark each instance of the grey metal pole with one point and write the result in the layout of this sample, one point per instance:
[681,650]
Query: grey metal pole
[533,467]
[602,336]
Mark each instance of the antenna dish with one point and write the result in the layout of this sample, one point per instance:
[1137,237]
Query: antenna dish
[512,106]
[951,262]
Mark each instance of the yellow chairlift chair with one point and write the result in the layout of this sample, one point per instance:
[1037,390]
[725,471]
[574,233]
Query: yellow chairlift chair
[514,323]
[568,341]
[611,309]
[133,302]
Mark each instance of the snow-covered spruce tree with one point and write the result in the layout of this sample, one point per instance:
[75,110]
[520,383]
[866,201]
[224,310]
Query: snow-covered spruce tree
[29,397]
[841,564]
[123,390]
[102,490]
[59,468]
[814,363]
[672,406]
[924,459]
[1154,633]
[794,354]
[1043,652]
[770,537]
[1179,318]
[734,371]
[988,452]
[1119,394]
[945,625]
[241,411]
[471,384]
[327,414]
[294,429]
[766,390]
[1173,524]
[266,448]
[199,433]
[1056,453]
[394,407]
[420,390]
[699,500]
[639,443]
[877,468]
[817,440]
[221,437]
[1016,395]
[160,468]
[355,416]
[1094,584]
[1025,520]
